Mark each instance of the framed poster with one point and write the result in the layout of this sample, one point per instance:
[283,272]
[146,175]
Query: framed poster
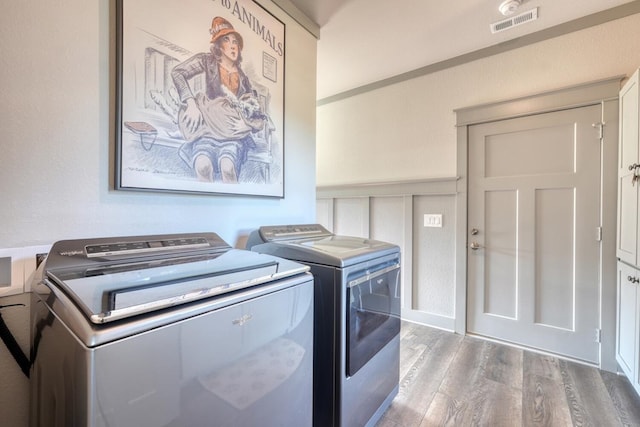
[200,105]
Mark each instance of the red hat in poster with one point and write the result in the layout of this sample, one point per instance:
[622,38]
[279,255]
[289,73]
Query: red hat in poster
[221,27]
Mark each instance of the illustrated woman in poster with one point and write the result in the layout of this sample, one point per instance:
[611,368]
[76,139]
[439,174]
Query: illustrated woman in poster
[218,123]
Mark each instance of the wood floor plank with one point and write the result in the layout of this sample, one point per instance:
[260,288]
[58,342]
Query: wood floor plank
[542,365]
[485,403]
[585,390]
[624,398]
[478,358]
[449,380]
[386,422]
[470,394]
[544,402]
[422,381]
[407,328]
[414,341]
[503,364]
[445,411]
[497,405]
[464,369]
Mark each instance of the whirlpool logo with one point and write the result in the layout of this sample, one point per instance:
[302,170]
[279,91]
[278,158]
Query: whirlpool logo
[71,253]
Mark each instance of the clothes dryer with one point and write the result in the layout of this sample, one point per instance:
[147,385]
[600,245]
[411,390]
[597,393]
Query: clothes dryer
[357,318]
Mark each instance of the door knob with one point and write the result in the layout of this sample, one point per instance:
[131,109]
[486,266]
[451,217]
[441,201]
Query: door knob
[475,246]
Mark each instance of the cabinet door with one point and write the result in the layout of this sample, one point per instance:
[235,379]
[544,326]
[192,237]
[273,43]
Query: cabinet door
[626,339]
[628,323]
[627,241]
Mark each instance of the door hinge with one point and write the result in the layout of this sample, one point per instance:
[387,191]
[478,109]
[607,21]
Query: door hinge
[598,336]
[598,234]
[600,126]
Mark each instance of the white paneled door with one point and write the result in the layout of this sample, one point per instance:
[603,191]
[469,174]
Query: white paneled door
[534,231]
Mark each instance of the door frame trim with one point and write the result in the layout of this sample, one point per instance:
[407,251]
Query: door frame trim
[603,92]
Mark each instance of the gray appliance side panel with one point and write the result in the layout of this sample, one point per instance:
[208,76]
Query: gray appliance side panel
[326,347]
[231,367]
[61,372]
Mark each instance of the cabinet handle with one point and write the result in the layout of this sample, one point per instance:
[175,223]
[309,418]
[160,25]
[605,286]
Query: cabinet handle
[634,167]
[633,279]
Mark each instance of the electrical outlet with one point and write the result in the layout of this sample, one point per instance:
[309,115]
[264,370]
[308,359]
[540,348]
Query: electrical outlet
[5,272]
[40,258]
[22,265]
[34,255]
[12,267]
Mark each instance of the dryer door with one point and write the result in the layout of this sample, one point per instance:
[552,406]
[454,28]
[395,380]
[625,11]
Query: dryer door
[373,312]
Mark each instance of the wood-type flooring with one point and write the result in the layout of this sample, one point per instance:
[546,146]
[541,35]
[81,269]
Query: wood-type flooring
[450,380]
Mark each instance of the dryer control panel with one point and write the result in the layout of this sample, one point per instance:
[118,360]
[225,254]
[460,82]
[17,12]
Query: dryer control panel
[272,233]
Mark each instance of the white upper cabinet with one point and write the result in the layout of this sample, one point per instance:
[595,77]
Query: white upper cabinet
[629,173]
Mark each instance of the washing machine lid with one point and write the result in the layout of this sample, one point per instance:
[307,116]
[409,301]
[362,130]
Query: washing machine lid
[116,278]
[314,244]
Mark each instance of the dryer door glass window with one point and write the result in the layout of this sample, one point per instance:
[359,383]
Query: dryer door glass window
[373,312]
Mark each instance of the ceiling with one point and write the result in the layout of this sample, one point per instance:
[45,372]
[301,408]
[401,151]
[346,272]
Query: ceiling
[366,41]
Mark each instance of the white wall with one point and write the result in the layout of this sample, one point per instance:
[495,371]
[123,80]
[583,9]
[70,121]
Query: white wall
[57,136]
[56,148]
[406,131]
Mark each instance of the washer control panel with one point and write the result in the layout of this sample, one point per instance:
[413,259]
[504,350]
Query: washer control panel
[144,246]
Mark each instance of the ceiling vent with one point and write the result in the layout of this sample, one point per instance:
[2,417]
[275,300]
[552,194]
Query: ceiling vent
[514,21]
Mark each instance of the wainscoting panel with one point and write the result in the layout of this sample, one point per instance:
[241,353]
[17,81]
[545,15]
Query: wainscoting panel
[353,214]
[434,246]
[324,212]
[395,213]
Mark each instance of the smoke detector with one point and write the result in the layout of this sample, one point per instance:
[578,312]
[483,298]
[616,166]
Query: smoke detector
[509,7]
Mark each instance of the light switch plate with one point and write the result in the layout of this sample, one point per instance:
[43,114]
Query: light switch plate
[433,220]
